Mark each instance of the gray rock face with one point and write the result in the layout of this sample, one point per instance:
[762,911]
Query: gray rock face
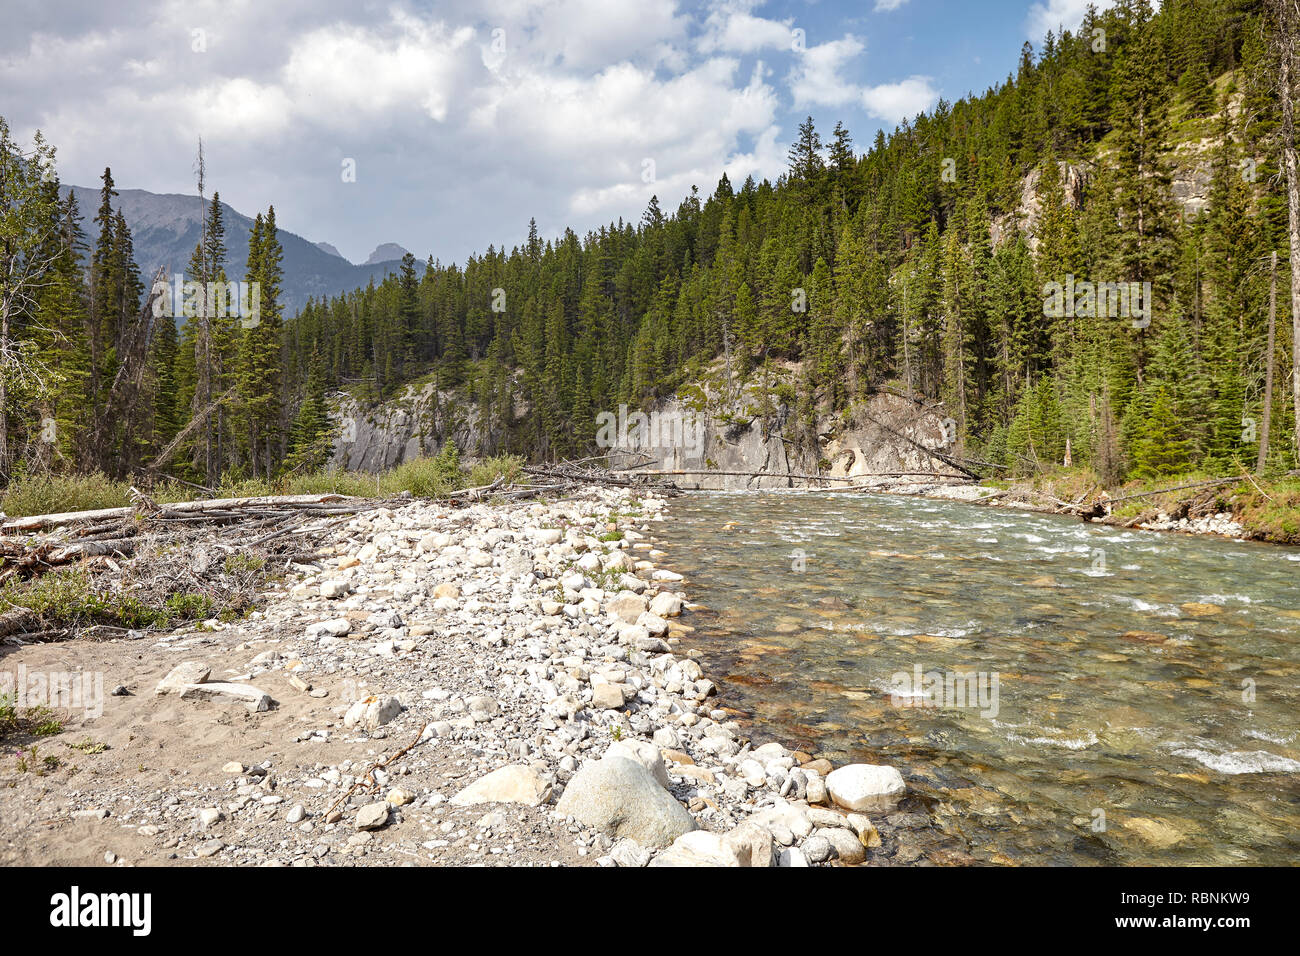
[877,442]
[418,422]
[621,798]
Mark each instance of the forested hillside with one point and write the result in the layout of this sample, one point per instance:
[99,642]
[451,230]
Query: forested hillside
[853,271]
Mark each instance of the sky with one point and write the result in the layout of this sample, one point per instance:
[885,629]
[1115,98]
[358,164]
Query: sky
[445,126]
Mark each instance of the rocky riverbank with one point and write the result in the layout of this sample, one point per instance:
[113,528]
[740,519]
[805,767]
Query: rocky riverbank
[496,683]
[1023,497]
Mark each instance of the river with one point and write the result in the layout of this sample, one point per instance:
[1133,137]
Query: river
[1130,697]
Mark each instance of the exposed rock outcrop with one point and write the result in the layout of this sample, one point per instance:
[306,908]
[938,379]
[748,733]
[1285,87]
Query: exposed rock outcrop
[418,422]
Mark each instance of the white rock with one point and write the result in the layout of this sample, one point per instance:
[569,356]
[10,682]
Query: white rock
[372,713]
[337,627]
[666,604]
[209,816]
[335,589]
[698,848]
[181,676]
[864,786]
[372,816]
[254,699]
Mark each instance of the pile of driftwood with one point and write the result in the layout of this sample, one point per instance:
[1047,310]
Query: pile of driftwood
[212,555]
[102,538]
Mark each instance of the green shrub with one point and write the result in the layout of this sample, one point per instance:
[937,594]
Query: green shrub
[508,467]
[48,494]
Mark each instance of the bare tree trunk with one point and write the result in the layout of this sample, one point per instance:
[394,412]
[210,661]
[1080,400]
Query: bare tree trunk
[1271,362]
[1288,24]
[907,355]
[4,398]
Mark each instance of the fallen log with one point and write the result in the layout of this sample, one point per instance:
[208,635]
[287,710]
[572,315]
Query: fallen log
[122,547]
[744,474]
[1212,482]
[219,505]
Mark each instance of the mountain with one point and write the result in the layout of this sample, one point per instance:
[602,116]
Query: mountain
[386,253]
[165,230]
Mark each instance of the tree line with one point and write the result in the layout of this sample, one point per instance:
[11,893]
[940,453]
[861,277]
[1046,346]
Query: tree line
[904,267]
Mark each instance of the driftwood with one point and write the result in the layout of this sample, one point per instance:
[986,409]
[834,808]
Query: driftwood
[950,460]
[571,475]
[201,418]
[1212,482]
[367,779]
[745,474]
[236,506]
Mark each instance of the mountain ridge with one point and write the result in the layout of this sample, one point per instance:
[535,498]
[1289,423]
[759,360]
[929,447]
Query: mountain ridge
[165,229]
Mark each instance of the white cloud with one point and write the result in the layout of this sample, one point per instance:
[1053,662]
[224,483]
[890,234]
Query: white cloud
[731,27]
[1054,14]
[622,117]
[593,33]
[887,6]
[463,122]
[894,102]
[816,78]
[336,72]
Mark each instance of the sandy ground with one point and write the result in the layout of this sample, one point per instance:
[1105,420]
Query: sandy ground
[161,747]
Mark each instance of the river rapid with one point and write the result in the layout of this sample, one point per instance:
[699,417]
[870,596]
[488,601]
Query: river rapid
[1054,692]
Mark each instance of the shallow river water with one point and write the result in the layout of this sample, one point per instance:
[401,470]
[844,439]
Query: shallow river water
[1053,691]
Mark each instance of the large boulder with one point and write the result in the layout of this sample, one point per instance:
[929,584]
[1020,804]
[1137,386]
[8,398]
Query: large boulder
[864,786]
[620,797]
[646,754]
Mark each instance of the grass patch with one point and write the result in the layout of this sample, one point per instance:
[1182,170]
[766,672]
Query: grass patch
[424,477]
[70,598]
[1272,514]
[89,746]
[27,721]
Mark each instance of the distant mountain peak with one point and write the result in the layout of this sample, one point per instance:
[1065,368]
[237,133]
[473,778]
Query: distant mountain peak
[385,252]
[165,229]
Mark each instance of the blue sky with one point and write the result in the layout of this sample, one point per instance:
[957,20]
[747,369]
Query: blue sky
[445,125]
